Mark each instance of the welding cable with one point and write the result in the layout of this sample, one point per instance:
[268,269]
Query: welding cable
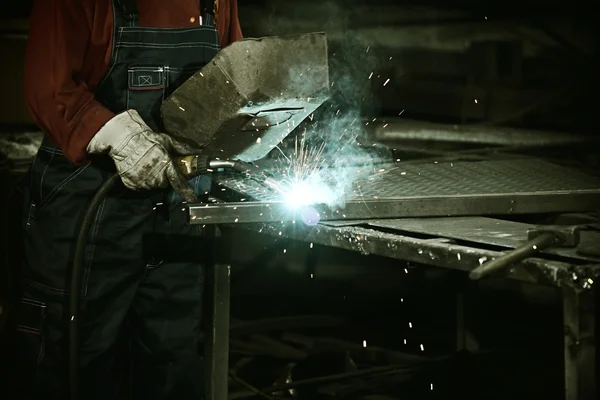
[79,259]
[199,165]
[78,262]
[77,268]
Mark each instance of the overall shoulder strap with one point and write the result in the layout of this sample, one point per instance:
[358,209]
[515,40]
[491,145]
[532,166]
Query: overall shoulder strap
[128,10]
[210,11]
[211,7]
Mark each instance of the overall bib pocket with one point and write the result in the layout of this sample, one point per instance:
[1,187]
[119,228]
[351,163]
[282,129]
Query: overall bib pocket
[146,91]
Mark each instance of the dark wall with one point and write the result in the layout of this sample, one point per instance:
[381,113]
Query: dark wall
[524,63]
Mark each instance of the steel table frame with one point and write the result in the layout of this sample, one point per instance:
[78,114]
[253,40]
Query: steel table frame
[494,187]
[402,207]
[578,295]
[217,273]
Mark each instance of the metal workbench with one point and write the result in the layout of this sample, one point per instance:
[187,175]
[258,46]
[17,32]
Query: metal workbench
[465,191]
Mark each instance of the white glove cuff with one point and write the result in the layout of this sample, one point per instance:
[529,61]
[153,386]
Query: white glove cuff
[116,131]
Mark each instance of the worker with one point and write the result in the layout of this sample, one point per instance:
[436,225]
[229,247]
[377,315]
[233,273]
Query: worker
[96,72]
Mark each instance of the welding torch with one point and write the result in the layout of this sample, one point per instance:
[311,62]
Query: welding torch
[194,165]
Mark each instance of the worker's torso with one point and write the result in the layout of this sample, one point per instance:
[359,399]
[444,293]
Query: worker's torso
[148,64]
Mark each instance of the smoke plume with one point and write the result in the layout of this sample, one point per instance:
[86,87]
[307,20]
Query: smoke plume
[328,153]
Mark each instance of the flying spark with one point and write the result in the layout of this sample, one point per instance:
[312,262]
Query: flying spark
[305,175]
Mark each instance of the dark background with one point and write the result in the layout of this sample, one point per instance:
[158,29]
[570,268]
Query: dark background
[526,64]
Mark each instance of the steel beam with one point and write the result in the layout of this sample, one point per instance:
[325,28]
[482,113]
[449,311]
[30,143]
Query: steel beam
[398,207]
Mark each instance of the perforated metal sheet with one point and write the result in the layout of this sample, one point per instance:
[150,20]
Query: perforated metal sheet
[462,178]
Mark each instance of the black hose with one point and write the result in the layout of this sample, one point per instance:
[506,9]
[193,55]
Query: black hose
[78,262]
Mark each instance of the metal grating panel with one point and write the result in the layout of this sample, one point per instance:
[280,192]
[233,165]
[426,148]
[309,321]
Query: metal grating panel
[443,179]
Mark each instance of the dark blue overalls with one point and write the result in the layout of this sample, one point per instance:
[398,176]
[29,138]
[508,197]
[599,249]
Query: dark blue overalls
[141,296]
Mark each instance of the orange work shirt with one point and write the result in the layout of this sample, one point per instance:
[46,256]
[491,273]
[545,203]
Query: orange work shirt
[68,54]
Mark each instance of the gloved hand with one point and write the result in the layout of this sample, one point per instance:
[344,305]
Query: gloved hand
[143,157]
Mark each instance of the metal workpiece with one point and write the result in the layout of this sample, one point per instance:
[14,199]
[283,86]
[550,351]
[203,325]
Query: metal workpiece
[496,233]
[565,235]
[260,90]
[539,238]
[241,212]
[507,260]
[434,251]
[520,186]
[581,270]
[413,206]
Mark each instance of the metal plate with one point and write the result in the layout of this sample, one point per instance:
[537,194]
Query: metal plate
[436,252]
[477,178]
[430,206]
[490,231]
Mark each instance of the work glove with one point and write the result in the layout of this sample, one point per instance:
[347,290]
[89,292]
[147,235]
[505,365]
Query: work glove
[143,157]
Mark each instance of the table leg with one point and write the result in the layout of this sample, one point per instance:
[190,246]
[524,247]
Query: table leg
[216,343]
[465,338]
[579,321]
